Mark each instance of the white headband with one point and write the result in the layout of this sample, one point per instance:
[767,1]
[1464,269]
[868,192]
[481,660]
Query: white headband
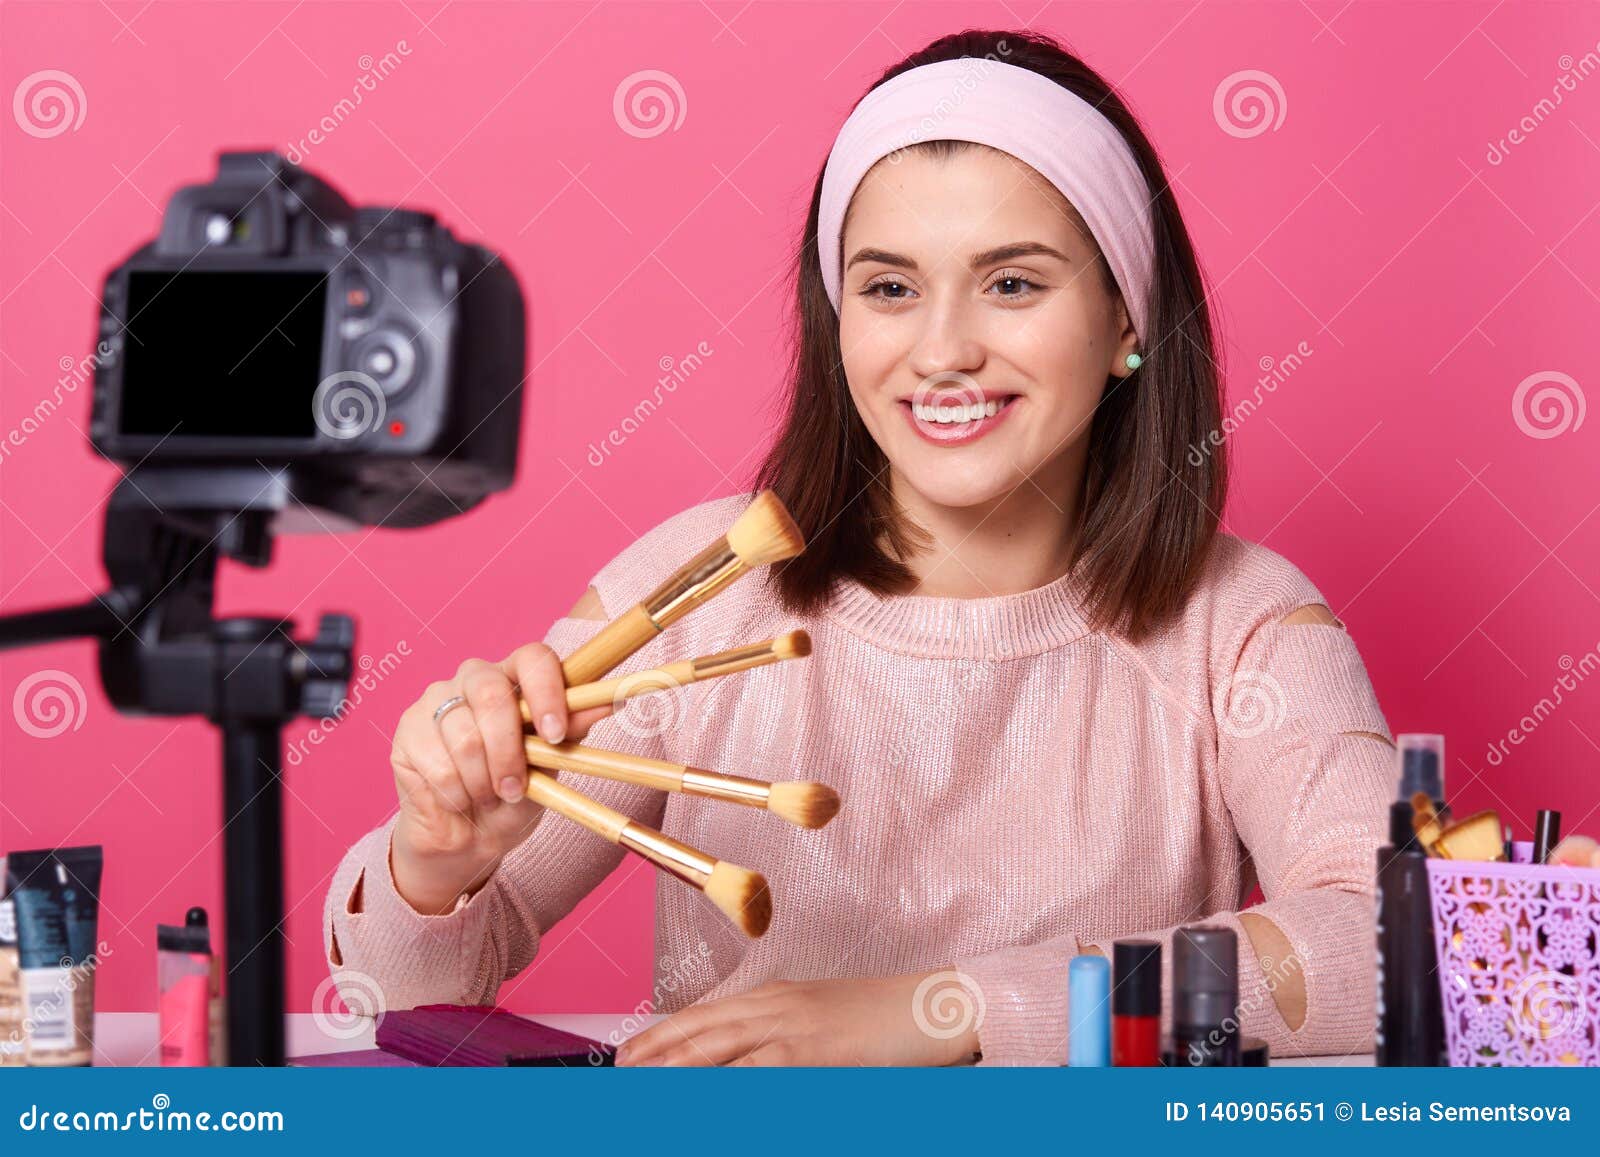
[1020,112]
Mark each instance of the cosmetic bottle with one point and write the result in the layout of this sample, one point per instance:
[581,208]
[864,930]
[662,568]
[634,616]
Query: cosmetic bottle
[1089,1012]
[1410,1027]
[1421,762]
[217,1008]
[12,1044]
[1205,997]
[56,897]
[183,976]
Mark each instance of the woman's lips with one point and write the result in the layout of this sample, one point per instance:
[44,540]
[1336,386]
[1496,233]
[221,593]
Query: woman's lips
[955,433]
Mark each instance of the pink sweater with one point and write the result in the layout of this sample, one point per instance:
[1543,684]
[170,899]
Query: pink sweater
[1014,785]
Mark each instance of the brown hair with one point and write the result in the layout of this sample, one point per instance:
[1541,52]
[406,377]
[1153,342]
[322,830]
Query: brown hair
[1149,510]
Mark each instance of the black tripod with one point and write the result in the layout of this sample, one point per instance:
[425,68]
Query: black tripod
[163,653]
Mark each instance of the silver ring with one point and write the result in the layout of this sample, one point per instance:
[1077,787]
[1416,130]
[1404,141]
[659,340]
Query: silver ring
[449,704]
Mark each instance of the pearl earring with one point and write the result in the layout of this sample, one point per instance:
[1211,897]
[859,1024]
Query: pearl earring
[1133,361]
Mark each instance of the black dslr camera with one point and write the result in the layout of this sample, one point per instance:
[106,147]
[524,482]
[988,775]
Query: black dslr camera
[273,357]
[367,351]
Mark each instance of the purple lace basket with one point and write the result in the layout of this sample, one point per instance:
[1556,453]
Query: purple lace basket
[1519,961]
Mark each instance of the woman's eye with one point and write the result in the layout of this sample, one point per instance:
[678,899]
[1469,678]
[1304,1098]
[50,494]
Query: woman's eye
[899,288]
[1015,286]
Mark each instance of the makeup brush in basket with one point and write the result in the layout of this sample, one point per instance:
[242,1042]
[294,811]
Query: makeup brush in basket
[764,533]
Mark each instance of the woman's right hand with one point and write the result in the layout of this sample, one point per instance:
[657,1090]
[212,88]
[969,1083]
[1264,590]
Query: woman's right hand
[461,779]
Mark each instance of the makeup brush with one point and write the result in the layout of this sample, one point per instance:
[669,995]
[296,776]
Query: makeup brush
[764,533]
[741,894]
[804,804]
[794,645]
[1425,822]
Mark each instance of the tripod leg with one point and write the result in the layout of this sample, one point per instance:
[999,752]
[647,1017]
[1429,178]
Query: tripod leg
[252,753]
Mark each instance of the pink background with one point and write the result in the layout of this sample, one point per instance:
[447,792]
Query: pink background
[1369,224]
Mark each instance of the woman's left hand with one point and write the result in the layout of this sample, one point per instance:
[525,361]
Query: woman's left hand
[809,1022]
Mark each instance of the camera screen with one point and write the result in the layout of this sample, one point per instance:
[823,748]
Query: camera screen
[234,355]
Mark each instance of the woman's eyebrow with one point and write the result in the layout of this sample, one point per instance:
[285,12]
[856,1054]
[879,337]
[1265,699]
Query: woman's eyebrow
[993,256]
[1018,249]
[882,257]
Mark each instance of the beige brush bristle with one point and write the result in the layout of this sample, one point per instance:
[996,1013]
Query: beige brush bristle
[794,645]
[806,805]
[742,896]
[765,533]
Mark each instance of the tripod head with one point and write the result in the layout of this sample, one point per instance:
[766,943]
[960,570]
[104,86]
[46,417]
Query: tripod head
[163,653]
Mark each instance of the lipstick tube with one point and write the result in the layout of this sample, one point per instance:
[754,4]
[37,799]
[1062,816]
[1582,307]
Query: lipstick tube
[1136,1003]
[1546,835]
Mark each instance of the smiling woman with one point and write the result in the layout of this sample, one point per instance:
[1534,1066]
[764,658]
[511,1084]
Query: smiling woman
[1060,705]
[1026,332]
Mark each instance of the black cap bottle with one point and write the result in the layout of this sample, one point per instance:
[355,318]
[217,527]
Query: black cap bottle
[1410,1014]
[1205,997]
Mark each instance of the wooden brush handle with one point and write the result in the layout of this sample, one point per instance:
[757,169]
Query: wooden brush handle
[688,863]
[611,691]
[643,771]
[671,676]
[638,769]
[577,807]
[668,677]
[613,643]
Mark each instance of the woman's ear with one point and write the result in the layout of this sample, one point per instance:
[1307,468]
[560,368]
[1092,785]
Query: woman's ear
[1127,342]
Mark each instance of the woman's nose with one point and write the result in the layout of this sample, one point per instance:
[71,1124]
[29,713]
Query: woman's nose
[947,341]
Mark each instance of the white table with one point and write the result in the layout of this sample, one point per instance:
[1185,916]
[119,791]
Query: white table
[129,1038]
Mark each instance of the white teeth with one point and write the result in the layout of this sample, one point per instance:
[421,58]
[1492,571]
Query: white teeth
[950,415]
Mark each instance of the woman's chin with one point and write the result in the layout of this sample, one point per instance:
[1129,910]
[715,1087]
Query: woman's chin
[957,488]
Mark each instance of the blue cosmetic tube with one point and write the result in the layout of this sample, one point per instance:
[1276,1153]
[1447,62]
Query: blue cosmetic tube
[1089,1012]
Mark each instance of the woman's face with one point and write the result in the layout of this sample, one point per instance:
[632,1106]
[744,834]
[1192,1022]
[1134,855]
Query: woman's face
[971,292]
